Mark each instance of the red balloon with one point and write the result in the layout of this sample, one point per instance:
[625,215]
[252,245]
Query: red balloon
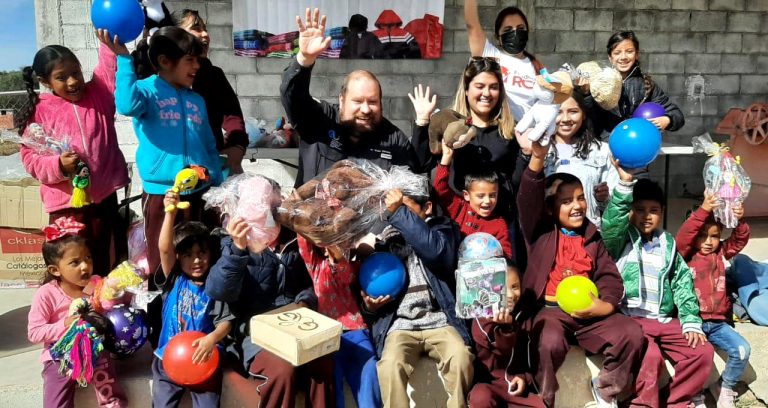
[177,360]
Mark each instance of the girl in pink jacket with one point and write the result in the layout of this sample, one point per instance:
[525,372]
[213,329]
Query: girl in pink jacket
[83,112]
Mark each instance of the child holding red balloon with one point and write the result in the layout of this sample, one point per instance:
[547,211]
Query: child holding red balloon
[659,293]
[698,242]
[84,112]
[69,268]
[185,258]
[475,210]
[637,88]
[553,217]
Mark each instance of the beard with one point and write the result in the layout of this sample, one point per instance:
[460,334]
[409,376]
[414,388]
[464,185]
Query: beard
[353,129]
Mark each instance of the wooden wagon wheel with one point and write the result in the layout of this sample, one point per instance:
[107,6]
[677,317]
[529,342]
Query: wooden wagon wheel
[754,123]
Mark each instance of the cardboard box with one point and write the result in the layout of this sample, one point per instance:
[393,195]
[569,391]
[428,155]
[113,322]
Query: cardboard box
[296,334]
[21,259]
[20,204]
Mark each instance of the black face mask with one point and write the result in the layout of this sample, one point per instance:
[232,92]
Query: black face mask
[514,41]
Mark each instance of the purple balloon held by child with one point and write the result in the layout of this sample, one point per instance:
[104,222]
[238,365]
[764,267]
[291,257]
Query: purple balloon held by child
[649,110]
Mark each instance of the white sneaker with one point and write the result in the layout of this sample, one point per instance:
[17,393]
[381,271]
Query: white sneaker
[727,398]
[599,401]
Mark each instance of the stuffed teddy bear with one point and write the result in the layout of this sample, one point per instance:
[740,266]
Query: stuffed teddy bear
[324,209]
[156,16]
[550,90]
[449,126]
[604,83]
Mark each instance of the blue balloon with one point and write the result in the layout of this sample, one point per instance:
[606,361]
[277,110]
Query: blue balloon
[382,274]
[635,143]
[123,18]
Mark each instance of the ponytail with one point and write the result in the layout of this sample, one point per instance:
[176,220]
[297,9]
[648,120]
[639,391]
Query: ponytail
[648,85]
[28,110]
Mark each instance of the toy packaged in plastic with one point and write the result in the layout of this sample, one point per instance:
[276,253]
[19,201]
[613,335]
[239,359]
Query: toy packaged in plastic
[341,205]
[724,177]
[39,140]
[604,81]
[137,247]
[251,197]
[481,288]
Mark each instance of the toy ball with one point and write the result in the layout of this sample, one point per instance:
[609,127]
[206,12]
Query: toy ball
[573,293]
[382,274]
[635,143]
[480,245]
[177,360]
[123,18]
[649,110]
[128,332]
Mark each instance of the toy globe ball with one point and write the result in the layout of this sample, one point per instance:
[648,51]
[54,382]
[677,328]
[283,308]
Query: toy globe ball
[649,110]
[177,360]
[480,245]
[573,293]
[635,143]
[123,18]
[382,274]
[129,330]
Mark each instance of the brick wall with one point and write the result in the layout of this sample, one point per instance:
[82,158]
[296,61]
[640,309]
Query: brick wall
[709,55]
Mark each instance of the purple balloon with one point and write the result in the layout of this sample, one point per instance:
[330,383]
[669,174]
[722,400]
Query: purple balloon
[129,330]
[649,110]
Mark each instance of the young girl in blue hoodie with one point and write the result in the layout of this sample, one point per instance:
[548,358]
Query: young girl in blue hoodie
[171,123]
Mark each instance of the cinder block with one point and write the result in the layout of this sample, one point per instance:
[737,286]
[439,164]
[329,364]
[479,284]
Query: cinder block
[232,64]
[689,4]
[666,63]
[452,63]
[652,4]
[554,60]
[546,3]
[601,42]
[744,22]
[687,42]
[757,5]
[653,41]
[554,19]
[192,5]
[442,85]
[735,101]
[270,109]
[632,20]
[615,4]
[74,36]
[660,81]
[400,109]
[575,41]
[480,3]
[448,42]
[667,21]
[546,40]
[593,20]
[278,65]
[739,64]
[725,43]
[732,5]
[676,84]
[219,13]
[221,37]
[699,107]
[75,12]
[708,20]
[454,18]
[586,4]
[249,106]
[762,63]
[754,44]
[460,41]
[754,84]
[413,66]
[723,84]
[702,63]
[259,84]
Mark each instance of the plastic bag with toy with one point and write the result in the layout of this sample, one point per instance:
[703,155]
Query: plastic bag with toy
[723,177]
[604,81]
[341,205]
[251,197]
[38,140]
[481,287]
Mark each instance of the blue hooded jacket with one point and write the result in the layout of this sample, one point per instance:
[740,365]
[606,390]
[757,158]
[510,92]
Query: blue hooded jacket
[171,125]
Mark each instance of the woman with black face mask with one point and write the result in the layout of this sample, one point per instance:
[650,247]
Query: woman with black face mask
[518,67]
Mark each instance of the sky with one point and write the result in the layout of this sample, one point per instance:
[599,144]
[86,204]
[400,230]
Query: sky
[17,34]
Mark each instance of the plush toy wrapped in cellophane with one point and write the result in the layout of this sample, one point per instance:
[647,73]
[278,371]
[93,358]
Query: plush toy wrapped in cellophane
[341,205]
[251,197]
[113,290]
[37,139]
[724,177]
[80,346]
[604,81]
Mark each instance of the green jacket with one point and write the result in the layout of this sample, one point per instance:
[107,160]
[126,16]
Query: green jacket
[624,243]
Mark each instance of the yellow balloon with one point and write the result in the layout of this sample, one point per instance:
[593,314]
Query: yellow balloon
[573,293]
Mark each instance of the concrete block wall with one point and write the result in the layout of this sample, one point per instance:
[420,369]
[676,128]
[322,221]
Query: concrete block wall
[709,55]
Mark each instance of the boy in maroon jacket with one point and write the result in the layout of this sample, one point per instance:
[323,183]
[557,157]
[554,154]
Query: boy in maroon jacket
[474,212]
[564,243]
[501,377]
[698,242]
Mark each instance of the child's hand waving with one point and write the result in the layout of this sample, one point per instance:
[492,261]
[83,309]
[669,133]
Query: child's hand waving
[113,43]
[203,349]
